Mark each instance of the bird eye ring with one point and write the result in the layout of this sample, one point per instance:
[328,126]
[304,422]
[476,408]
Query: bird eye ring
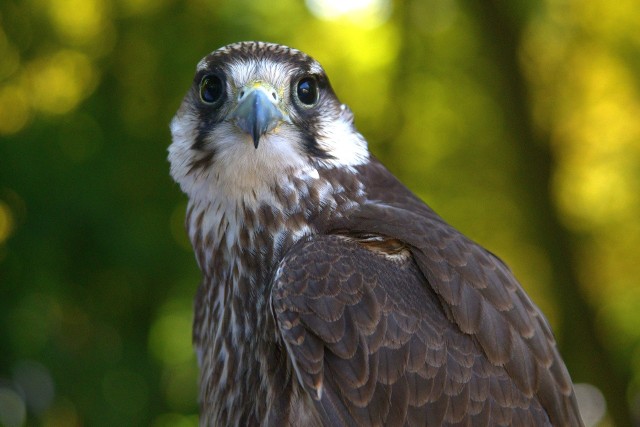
[210,89]
[307,91]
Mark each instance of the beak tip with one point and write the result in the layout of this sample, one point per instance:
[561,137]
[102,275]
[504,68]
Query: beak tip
[256,132]
[257,114]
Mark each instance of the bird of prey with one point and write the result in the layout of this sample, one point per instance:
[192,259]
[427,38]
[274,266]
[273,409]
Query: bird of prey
[332,295]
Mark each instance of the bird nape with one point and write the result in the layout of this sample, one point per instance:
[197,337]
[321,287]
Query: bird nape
[331,295]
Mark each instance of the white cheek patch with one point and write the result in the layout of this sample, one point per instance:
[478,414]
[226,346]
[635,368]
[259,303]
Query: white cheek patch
[181,156]
[340,139]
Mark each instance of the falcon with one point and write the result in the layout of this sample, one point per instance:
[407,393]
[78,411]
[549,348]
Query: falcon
[331,295]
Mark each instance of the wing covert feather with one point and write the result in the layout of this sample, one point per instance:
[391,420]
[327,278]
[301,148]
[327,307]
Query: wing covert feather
[393,356]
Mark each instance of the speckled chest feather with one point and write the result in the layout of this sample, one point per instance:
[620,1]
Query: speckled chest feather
[238,244]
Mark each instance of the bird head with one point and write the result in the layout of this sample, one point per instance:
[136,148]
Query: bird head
[255,113]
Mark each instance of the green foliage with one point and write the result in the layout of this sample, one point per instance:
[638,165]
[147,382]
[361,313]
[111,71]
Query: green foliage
[96,275]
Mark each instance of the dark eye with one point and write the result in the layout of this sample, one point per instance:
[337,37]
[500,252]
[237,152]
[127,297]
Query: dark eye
[307,91]
[210,89]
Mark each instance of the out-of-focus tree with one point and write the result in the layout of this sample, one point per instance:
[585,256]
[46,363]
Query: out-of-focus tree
[518,122]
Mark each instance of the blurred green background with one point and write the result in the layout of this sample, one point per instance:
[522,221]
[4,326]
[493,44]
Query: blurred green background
[519,122]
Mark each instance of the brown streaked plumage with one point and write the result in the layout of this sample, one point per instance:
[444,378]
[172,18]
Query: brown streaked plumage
[331,295]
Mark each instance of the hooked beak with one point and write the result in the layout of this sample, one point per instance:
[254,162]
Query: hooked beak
[257,112]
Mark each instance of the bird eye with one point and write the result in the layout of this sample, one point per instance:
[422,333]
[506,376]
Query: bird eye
[307,91]
[210,89]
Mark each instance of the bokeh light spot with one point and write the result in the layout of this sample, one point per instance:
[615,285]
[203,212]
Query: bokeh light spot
[39,316]
[366,13]
[142,7]
[180,385]
[10,56]
[591,402]
[14,109]
[62,414]
[170,335]
[6,221]
[13,410]
[60,82]
[78,20]
[597,140]
[175,420]
[36,383]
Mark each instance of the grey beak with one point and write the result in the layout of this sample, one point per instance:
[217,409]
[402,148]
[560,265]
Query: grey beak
[257,113]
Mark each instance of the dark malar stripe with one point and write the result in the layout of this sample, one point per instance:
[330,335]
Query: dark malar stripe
[207,153]
[313,149]
[202,163]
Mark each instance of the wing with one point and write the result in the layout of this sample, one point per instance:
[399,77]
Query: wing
[373,343]
[476,290]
